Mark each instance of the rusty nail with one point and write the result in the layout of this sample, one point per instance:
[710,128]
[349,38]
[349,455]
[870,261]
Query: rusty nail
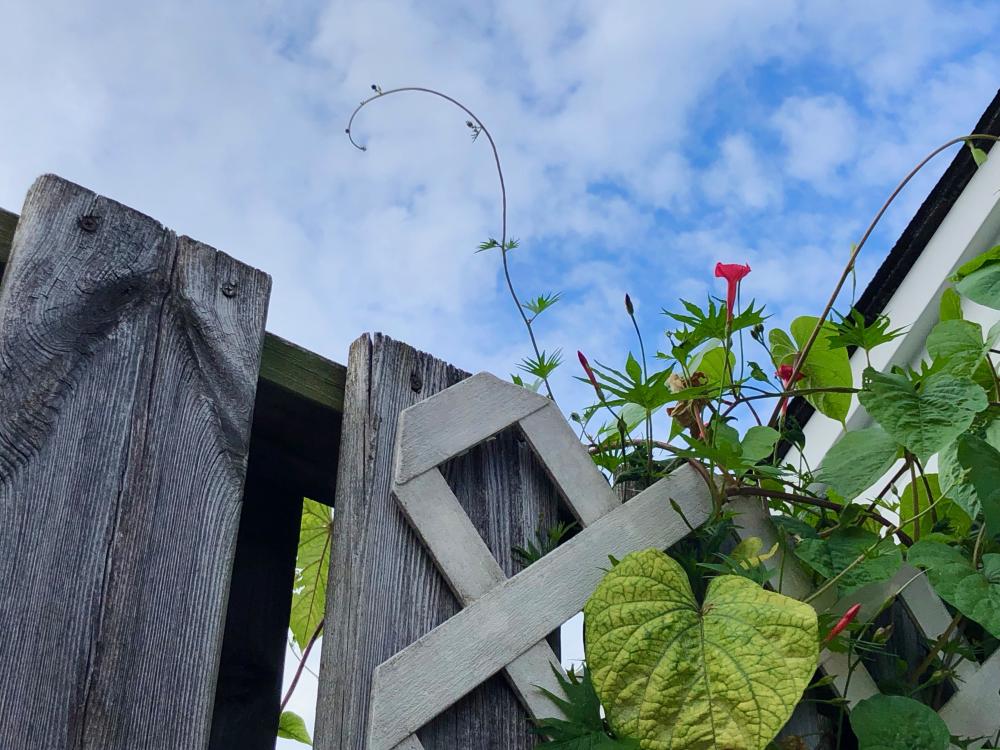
[89,222]
[229,289]
[416,382]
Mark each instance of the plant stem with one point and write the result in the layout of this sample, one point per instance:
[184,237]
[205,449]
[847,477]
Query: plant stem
[503,198]
[816,502]
[804,352]
[302,666]
[864,555]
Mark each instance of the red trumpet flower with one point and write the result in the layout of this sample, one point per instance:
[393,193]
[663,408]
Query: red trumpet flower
[733,273]
[842,623]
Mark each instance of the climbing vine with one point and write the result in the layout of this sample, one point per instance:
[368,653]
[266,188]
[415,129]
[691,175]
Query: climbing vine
[694,648]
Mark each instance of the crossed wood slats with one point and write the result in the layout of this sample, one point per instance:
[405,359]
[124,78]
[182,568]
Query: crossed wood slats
[504,622]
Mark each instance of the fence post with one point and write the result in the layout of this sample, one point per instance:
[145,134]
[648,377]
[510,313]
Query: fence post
[128,363]
[384,591]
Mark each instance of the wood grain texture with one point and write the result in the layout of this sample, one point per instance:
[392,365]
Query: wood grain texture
[128,382]
[586,490]
[444,665]
[446,424]
[384,592]
[310,376]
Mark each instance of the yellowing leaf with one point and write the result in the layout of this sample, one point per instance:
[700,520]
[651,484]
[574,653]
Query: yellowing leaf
[679,675]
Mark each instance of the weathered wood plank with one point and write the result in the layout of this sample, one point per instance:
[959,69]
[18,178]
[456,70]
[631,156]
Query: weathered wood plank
[413,686]
[384,592]
[305,374]
[446,424]
[128,376]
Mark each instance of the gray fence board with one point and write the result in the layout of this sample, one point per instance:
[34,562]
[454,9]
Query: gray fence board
[128,362]
[384,591]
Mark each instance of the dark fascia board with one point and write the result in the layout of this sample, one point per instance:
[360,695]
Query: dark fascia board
[918,232]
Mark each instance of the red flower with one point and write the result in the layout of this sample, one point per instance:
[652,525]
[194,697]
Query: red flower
[784,374]
[590,375]
[842,623]
[733,273]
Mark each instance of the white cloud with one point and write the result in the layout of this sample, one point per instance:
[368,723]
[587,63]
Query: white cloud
[739,178]
[820,135]
[226,122]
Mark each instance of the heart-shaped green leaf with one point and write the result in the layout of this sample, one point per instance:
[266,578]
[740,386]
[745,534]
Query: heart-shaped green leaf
[981,461]
[831,555]
[982,286]
[925,421]
[291,726]
[957,346]
[892,722]
[679,675]
[824,367]
[858,460]
[946,514]
[974,593]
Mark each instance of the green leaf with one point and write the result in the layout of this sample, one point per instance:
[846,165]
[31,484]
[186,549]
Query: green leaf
[982,286]
[713,364]
[312,566]
[982,462]
[757,373]
[951,305]
[583,728]
[978,155]
[858,460]
[831,555]
[974,593]
[982,260]
[893,722]
[542,365]
[292,727]
[541,303]
[927,421]
[783,349]
[680,675]
[633,368]
[825,367]
[957,347]
[852,330]
[758,442]
[952,475]
[948,514]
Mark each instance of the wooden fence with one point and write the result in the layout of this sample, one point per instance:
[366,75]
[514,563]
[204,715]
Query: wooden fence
[155,446]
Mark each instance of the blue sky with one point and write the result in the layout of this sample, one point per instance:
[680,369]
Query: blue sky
[642,142]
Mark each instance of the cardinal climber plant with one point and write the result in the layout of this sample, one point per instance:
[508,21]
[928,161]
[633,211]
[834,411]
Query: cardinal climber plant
[693,648]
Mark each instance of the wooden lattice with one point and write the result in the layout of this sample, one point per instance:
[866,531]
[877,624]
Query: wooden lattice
[504,621]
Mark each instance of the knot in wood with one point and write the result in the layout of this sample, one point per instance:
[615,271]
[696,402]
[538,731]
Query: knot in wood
[229,289]
[416,382]
[89,222]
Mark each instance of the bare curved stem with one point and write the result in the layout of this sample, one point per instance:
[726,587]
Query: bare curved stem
[804,352]
[503,194]
[302,665]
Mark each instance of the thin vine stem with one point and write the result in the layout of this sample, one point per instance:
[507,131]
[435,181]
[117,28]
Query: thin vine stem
[302,665]
[848,269]
[503,195]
